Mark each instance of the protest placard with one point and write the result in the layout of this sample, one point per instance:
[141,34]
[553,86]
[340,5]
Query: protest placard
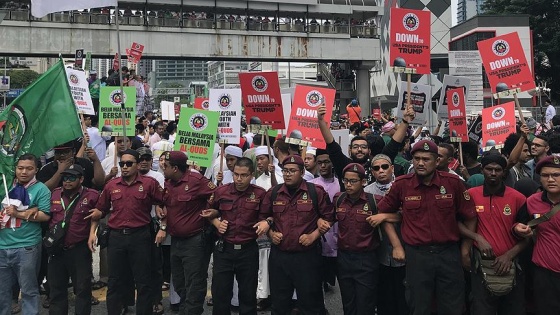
[80,91]
[457,115]
[228,103]
[498,123]
[261,98]
[196,134]
[410,39]
[110,113]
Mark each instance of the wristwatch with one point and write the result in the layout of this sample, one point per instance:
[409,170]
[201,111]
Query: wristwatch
[163,227]
[405,122]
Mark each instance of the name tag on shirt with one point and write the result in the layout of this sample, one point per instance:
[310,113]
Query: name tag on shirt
[413,198]
[279,203]
[446,196]
[304,202]
[340,210]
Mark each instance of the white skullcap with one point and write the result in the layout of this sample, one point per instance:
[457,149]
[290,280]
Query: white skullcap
[311,150]
[261,150]
[234,150]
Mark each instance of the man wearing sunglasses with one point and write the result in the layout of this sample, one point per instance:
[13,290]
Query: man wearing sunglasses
[75,260]
[391,298]
[431,203]
[111,170]
[130,199]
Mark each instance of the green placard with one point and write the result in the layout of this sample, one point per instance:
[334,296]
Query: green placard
[87,65]
[196,134]
[110,119]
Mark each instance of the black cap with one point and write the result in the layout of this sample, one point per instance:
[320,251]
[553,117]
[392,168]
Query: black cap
[74,169]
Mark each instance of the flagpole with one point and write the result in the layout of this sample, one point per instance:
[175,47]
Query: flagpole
[120,74]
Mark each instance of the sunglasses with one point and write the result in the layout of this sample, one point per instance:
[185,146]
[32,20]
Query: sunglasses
[127,163]
[69,178]
[383,166]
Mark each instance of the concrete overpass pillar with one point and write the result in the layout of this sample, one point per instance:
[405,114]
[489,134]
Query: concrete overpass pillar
[363,90]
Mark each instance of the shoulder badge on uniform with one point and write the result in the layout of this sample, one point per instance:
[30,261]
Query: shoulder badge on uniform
[85,202]
[304,197]
[466,195]
[507,210]
[141,188]
[426,147]
[186,187]
[556,160]
[442,190]
[211,185]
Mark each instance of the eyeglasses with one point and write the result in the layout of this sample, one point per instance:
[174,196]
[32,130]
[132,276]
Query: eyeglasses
[127,163]
[288,171]
[146,159]
[383,166]
[359,146]
[347,181]
[69,178]
[548,176]
[242,176]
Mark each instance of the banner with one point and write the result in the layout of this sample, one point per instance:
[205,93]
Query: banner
[505,63]
[40,8]
[457,115]
[80,91]
[498,123]
[303,118]
[420,98]
[228,103]
[475,130]
[110,119]
[116,62]
[42,117]
[410,39]
[201,103]
[167,110]
[79,58]
[196,134]
[262,99]
[449,83]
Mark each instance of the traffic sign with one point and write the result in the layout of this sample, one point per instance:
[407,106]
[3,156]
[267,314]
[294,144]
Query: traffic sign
[5,83]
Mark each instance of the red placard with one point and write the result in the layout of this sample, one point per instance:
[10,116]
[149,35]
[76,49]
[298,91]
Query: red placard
[498,122]
[505,63]
[376,113]
[457,115]
[262,99]
[135,52]
[410,39]
[116,62]
[303,118]
[201,103]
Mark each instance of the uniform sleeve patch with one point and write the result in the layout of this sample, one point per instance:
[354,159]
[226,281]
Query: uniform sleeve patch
[466,195]
[211,185]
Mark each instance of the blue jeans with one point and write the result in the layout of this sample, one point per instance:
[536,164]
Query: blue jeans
[21,265]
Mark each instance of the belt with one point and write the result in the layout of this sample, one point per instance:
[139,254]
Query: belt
[240,246]
[69,247]
[128,231]
[434,248]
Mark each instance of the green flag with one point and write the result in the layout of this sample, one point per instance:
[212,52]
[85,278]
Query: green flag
[42,117]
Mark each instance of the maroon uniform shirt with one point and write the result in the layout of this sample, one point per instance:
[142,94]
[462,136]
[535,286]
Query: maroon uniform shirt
[546,253]
[242,209]
[429,211]
[132,203]
[354,232]
[78,228]
[497,215]
[186,198]
[295,216]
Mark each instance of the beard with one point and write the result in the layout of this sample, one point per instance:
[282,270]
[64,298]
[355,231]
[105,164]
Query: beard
[355,159]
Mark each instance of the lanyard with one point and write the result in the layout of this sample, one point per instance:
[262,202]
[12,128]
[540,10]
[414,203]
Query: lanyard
[69,206]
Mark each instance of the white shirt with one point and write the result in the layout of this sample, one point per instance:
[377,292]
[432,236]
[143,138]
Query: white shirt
[550,112]
[157,149]
[108,164]
[97,142]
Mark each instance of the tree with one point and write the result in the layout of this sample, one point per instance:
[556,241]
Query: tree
[544,21]
[21,79]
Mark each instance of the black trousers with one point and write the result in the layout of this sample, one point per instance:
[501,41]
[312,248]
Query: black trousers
[547,291]
[436,269]
[244,264]
[166,262]
[484,303]
[358,275]
[295,270]
[390,294]
[129,252]
[189,266]
[74,263]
